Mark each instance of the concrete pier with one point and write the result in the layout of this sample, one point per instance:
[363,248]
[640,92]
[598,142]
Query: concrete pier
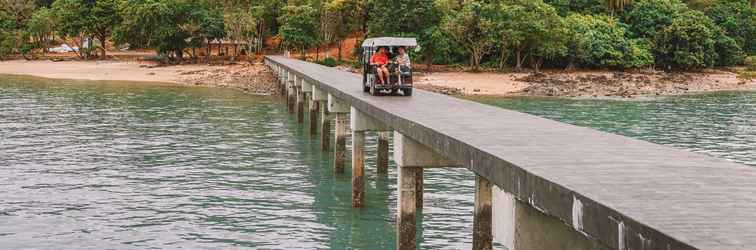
[555,185]
[339,149]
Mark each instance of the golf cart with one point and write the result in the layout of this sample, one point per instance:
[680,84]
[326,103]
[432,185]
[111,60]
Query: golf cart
[400,78]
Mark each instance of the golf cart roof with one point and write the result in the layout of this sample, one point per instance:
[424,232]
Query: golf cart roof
[390,41]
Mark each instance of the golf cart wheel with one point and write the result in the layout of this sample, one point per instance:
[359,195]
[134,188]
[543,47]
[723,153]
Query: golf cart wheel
[407,92]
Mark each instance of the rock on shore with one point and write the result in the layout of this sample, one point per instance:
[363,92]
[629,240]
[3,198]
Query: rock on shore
[253,78]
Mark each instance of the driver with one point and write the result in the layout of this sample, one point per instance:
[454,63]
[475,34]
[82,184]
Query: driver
[380,60]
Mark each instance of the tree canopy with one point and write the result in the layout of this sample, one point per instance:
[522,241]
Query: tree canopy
[616,34]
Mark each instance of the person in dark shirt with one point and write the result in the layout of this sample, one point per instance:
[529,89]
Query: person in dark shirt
[380,60]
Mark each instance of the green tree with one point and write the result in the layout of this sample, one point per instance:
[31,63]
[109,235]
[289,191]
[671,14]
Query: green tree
[161,24]
[338,22]
[40,28]
[647,17]
[738,20]
[474,28]
[565,7]
[618,6]
[687,43]
[601,41]
[299,27]
[539,32]
[18,11]
[87,19]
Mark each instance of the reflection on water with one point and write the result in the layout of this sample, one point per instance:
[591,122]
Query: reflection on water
[102,166]
[133,166]
[721,124]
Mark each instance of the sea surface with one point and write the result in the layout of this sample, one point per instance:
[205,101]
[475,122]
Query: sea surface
[116,165]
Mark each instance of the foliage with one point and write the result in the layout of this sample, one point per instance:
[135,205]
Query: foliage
[474,28]
[687,43]
[299,26]
[600,41]
[86,19]
[566,7]
[738,20]
[536,31]
[40,27]
[330,62]
[647,17]
[162,24]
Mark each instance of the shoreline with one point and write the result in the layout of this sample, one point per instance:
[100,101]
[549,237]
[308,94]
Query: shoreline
[246,77]
[255,78]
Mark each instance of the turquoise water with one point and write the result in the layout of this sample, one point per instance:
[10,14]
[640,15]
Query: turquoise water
[121,166]
[134,166]
[721,124]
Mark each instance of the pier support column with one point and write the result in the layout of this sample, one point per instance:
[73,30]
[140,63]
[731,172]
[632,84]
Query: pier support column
[359,123]
[314,118]
[312,107]
[300,104]
[339,150]
[325,126]
[383,152]
[411,157]
[482,230]
[321,98]
[406,227]
[358,168]
[290,90]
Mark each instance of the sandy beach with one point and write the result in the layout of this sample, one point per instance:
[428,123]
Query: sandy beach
[256,78]
[253,78]
[582,83]
[96,70]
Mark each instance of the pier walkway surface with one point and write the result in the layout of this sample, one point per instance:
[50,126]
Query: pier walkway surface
[617,192]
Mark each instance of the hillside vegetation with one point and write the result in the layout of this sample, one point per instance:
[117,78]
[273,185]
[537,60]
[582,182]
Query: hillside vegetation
[605,34]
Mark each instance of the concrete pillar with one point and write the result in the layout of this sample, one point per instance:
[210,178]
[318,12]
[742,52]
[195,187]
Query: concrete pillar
[313,118]
[482,229]
[307,88]
[291,94]
[406,227]
[339,150]
[359,123]
[358,168]
[419,188]
[519,226]
[300,104]
[321,98]
[383,151]
[411,157]
[325,127]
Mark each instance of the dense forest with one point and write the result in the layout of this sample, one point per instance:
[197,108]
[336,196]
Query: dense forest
[613,34]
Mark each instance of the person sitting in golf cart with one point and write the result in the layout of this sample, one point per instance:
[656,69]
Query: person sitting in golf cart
[381,60]
[403,61]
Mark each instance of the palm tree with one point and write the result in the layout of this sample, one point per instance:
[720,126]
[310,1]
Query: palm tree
[617,6]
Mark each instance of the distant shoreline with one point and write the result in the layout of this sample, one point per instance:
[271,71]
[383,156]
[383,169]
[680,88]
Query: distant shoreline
[255,78]
[250,78]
